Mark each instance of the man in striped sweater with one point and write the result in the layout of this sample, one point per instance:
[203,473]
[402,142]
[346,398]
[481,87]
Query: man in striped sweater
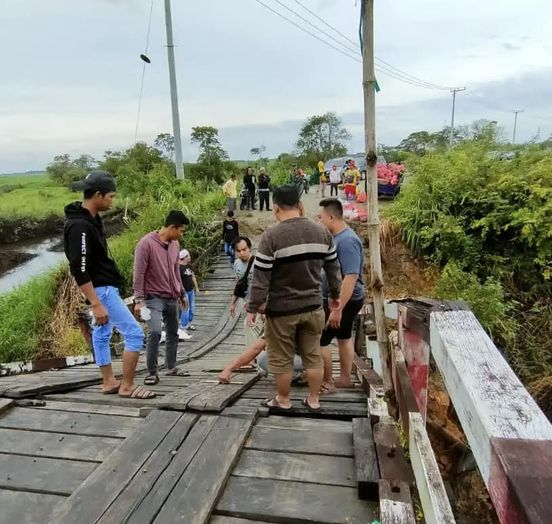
[286,287]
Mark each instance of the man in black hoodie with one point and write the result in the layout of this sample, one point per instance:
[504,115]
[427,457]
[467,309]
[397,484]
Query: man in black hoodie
[264,189]
[99,279]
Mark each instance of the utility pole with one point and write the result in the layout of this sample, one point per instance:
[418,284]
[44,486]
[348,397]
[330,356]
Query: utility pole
[515,111]
[179,161]
[373,224]
[454,90]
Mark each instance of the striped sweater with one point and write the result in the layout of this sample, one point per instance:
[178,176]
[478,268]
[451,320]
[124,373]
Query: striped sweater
[288,267]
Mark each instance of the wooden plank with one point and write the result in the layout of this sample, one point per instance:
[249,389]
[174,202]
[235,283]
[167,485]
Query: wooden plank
[366,461]
[5,404]
[108,400]
[219,519]
[304,424]
[521,480]
[101,488]
[371,382]
[31,385]
[218,396]
[139,486]
[404,392]
[179,400]
[333,471]
[69,423]
[391,460]
[53,476]
[85,407]
[23,507]
[200,484]
[377,410]
[273,439]
[489,399]
[150,505]
[56,445]
[294,502]
[395,503]
[433,496]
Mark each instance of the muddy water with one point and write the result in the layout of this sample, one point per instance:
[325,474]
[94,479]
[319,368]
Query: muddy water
[43,260]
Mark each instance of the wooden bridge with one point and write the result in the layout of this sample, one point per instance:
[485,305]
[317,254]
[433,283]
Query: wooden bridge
[204,452]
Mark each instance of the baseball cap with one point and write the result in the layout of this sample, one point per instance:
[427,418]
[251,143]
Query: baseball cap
[184,253]
[97,181]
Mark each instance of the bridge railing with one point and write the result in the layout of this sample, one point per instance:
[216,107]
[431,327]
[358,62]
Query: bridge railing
[509,436]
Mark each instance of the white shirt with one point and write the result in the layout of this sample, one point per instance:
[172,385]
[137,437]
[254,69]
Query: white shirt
[335,176]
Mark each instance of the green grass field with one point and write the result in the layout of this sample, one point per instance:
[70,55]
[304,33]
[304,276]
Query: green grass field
[33,195]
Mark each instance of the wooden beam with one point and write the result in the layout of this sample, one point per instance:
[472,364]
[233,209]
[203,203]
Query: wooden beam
[366,462]
[395,503]
[377,410]
[370,381]
[491,404]
[5,404]
[430,485]
[391,460]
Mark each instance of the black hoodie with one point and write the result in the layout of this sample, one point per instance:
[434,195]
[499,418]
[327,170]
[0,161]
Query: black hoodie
[85,247]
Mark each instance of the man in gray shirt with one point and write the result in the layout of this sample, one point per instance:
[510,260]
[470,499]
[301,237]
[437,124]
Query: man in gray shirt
[339,322]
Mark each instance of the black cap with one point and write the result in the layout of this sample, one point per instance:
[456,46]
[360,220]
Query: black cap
[286,195]
[97,181]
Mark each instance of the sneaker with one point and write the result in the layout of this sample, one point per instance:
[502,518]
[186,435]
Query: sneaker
[190,327]
[183,335]
[163,337]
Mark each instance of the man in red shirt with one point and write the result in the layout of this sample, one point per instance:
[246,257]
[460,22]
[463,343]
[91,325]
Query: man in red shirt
[158,286]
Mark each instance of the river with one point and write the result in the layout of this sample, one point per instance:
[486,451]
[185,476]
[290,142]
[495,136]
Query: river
[43,260]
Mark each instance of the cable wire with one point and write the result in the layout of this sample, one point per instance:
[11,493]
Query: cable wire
[143,74]
[386,67]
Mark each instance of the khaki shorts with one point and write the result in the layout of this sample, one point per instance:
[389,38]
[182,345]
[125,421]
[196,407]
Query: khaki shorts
[286,334]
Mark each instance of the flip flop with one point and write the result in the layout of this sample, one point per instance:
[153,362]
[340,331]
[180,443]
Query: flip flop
[112,391]
[151,380]
[141,393]
[326,389]
[305,403]
[176,372]
[272,403]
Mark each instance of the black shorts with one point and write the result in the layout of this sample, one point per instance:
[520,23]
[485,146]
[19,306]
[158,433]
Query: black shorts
[345,330]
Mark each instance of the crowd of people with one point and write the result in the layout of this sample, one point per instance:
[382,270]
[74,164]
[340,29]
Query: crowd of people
[255,189]
[301,290]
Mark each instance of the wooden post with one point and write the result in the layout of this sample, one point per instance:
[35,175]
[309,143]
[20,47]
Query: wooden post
[376,275]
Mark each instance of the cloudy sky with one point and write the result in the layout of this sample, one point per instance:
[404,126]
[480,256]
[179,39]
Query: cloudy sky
[71,72]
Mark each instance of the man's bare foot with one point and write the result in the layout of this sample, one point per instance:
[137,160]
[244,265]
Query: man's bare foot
[327,388]
[111,386]
[343,383]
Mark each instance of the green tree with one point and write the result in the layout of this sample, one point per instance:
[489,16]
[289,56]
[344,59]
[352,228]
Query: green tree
[258,152]
[164,142]
[322,137]
[65,170]
[212,156]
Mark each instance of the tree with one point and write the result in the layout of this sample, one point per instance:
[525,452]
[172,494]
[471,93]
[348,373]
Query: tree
[322,137]
[64,170]
[258,151]
[165,143]
[211,153]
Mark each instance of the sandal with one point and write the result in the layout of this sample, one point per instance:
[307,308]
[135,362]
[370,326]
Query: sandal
[151,380]
[272,403]
[305,403]
[176,372]
[140,392]
[327,388]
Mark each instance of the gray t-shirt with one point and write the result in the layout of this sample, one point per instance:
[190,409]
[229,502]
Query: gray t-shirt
[240,268]
[351,259]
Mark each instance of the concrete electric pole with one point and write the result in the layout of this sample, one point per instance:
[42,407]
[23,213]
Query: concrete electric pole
[454,90]
[373,224]
[179,161]
[515,111]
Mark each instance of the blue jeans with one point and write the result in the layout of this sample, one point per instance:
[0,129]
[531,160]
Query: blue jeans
[119,317]
[187,316]
[229,250]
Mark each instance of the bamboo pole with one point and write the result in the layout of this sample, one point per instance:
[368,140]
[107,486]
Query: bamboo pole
[373,224]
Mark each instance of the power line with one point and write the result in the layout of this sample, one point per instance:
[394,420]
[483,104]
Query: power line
[307,31]
[385,67]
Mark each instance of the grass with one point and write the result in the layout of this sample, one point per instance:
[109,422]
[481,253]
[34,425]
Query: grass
[32,196]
